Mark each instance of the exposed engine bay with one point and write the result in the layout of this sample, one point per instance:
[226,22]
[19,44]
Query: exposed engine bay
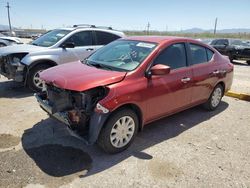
[77,107]
[11,66]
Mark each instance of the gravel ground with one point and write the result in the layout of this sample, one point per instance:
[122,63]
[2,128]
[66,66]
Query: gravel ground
[241,81]
[194,148]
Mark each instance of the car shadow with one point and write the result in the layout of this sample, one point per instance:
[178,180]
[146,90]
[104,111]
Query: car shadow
[58,152]
[12,89]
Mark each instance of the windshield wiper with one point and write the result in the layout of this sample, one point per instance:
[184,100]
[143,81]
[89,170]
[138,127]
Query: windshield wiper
[96,64]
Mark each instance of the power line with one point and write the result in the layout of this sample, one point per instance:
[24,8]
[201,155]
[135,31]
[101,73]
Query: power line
[8,8]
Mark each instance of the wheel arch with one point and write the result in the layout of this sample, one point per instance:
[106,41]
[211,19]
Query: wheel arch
[133,107]
[223,86]
[42,61]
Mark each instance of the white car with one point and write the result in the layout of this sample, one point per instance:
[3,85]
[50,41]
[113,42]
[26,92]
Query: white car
[8,41]
[24,62]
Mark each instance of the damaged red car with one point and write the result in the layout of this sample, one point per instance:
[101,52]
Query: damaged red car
[131,82]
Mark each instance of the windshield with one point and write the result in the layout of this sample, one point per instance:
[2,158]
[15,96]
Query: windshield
[50,38]
[121,55]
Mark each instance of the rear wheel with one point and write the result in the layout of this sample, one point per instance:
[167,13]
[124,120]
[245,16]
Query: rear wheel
[119,131]
[33,80]
[215,98]
[248,62]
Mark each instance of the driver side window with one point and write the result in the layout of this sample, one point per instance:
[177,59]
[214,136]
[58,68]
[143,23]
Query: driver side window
[83,38]
[173,56]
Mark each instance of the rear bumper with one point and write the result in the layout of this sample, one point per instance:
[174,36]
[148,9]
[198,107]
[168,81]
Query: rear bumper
[95,123]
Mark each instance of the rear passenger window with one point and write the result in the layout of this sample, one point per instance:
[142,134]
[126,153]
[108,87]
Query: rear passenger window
[198,54]
[173,56]
[104,38]
[210,54]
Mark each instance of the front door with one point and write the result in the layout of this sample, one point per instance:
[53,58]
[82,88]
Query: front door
[171,92]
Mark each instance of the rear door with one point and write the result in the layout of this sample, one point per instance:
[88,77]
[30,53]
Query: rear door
[171,92]
[204,71]
[102,38]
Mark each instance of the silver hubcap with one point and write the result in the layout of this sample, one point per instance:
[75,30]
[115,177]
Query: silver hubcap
[37,81]
[122,131]
[216,97]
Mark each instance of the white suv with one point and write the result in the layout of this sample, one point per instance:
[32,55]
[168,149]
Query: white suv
[24,62]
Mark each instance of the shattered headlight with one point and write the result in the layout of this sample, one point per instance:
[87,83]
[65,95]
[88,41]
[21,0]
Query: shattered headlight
[16,61]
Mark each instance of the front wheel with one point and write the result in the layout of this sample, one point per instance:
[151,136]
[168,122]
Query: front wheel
[215,98]
[248,62]
[119,131]
[33,80]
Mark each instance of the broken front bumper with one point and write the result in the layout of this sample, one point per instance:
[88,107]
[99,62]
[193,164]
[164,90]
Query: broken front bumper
[61,116]
[95,124]
[11,70]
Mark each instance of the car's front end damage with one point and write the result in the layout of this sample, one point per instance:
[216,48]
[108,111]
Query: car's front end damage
[11,66]
[80,111]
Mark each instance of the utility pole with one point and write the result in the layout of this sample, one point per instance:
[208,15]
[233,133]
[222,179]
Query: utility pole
[148,25]
[8,8]
[215,26]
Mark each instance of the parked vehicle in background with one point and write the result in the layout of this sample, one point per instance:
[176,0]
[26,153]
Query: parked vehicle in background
[23,63]
[235,49]
[206,41]
[131,82]
[8,41]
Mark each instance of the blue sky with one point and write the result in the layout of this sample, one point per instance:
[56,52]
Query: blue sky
[128,14]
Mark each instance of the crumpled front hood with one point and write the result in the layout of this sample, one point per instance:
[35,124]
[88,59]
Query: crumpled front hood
[77,76]
[21,48]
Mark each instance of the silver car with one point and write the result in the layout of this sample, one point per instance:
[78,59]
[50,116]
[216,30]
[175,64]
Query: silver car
[23,63]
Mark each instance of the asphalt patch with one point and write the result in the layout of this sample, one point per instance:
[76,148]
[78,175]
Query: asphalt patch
[8,140]
[49,165]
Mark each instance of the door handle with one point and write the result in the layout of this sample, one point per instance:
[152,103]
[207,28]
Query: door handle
[89,49]
[216,72]
[185,80]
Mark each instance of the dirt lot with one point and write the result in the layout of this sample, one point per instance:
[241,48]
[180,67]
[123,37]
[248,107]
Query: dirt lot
[194,148]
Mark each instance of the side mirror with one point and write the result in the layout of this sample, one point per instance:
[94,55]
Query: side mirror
[159,69]
[68,45]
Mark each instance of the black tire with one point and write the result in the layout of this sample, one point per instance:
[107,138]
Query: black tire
[210,104]
[104,139]
[31,74]
[248,62]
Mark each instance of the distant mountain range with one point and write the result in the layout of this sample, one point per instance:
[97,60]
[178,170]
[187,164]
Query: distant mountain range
[4,27]
[192,30]
[199,30]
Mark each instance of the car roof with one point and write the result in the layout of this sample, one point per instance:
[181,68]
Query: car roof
[116,32]
[158,39]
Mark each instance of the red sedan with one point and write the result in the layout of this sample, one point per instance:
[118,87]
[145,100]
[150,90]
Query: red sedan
[131,82]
